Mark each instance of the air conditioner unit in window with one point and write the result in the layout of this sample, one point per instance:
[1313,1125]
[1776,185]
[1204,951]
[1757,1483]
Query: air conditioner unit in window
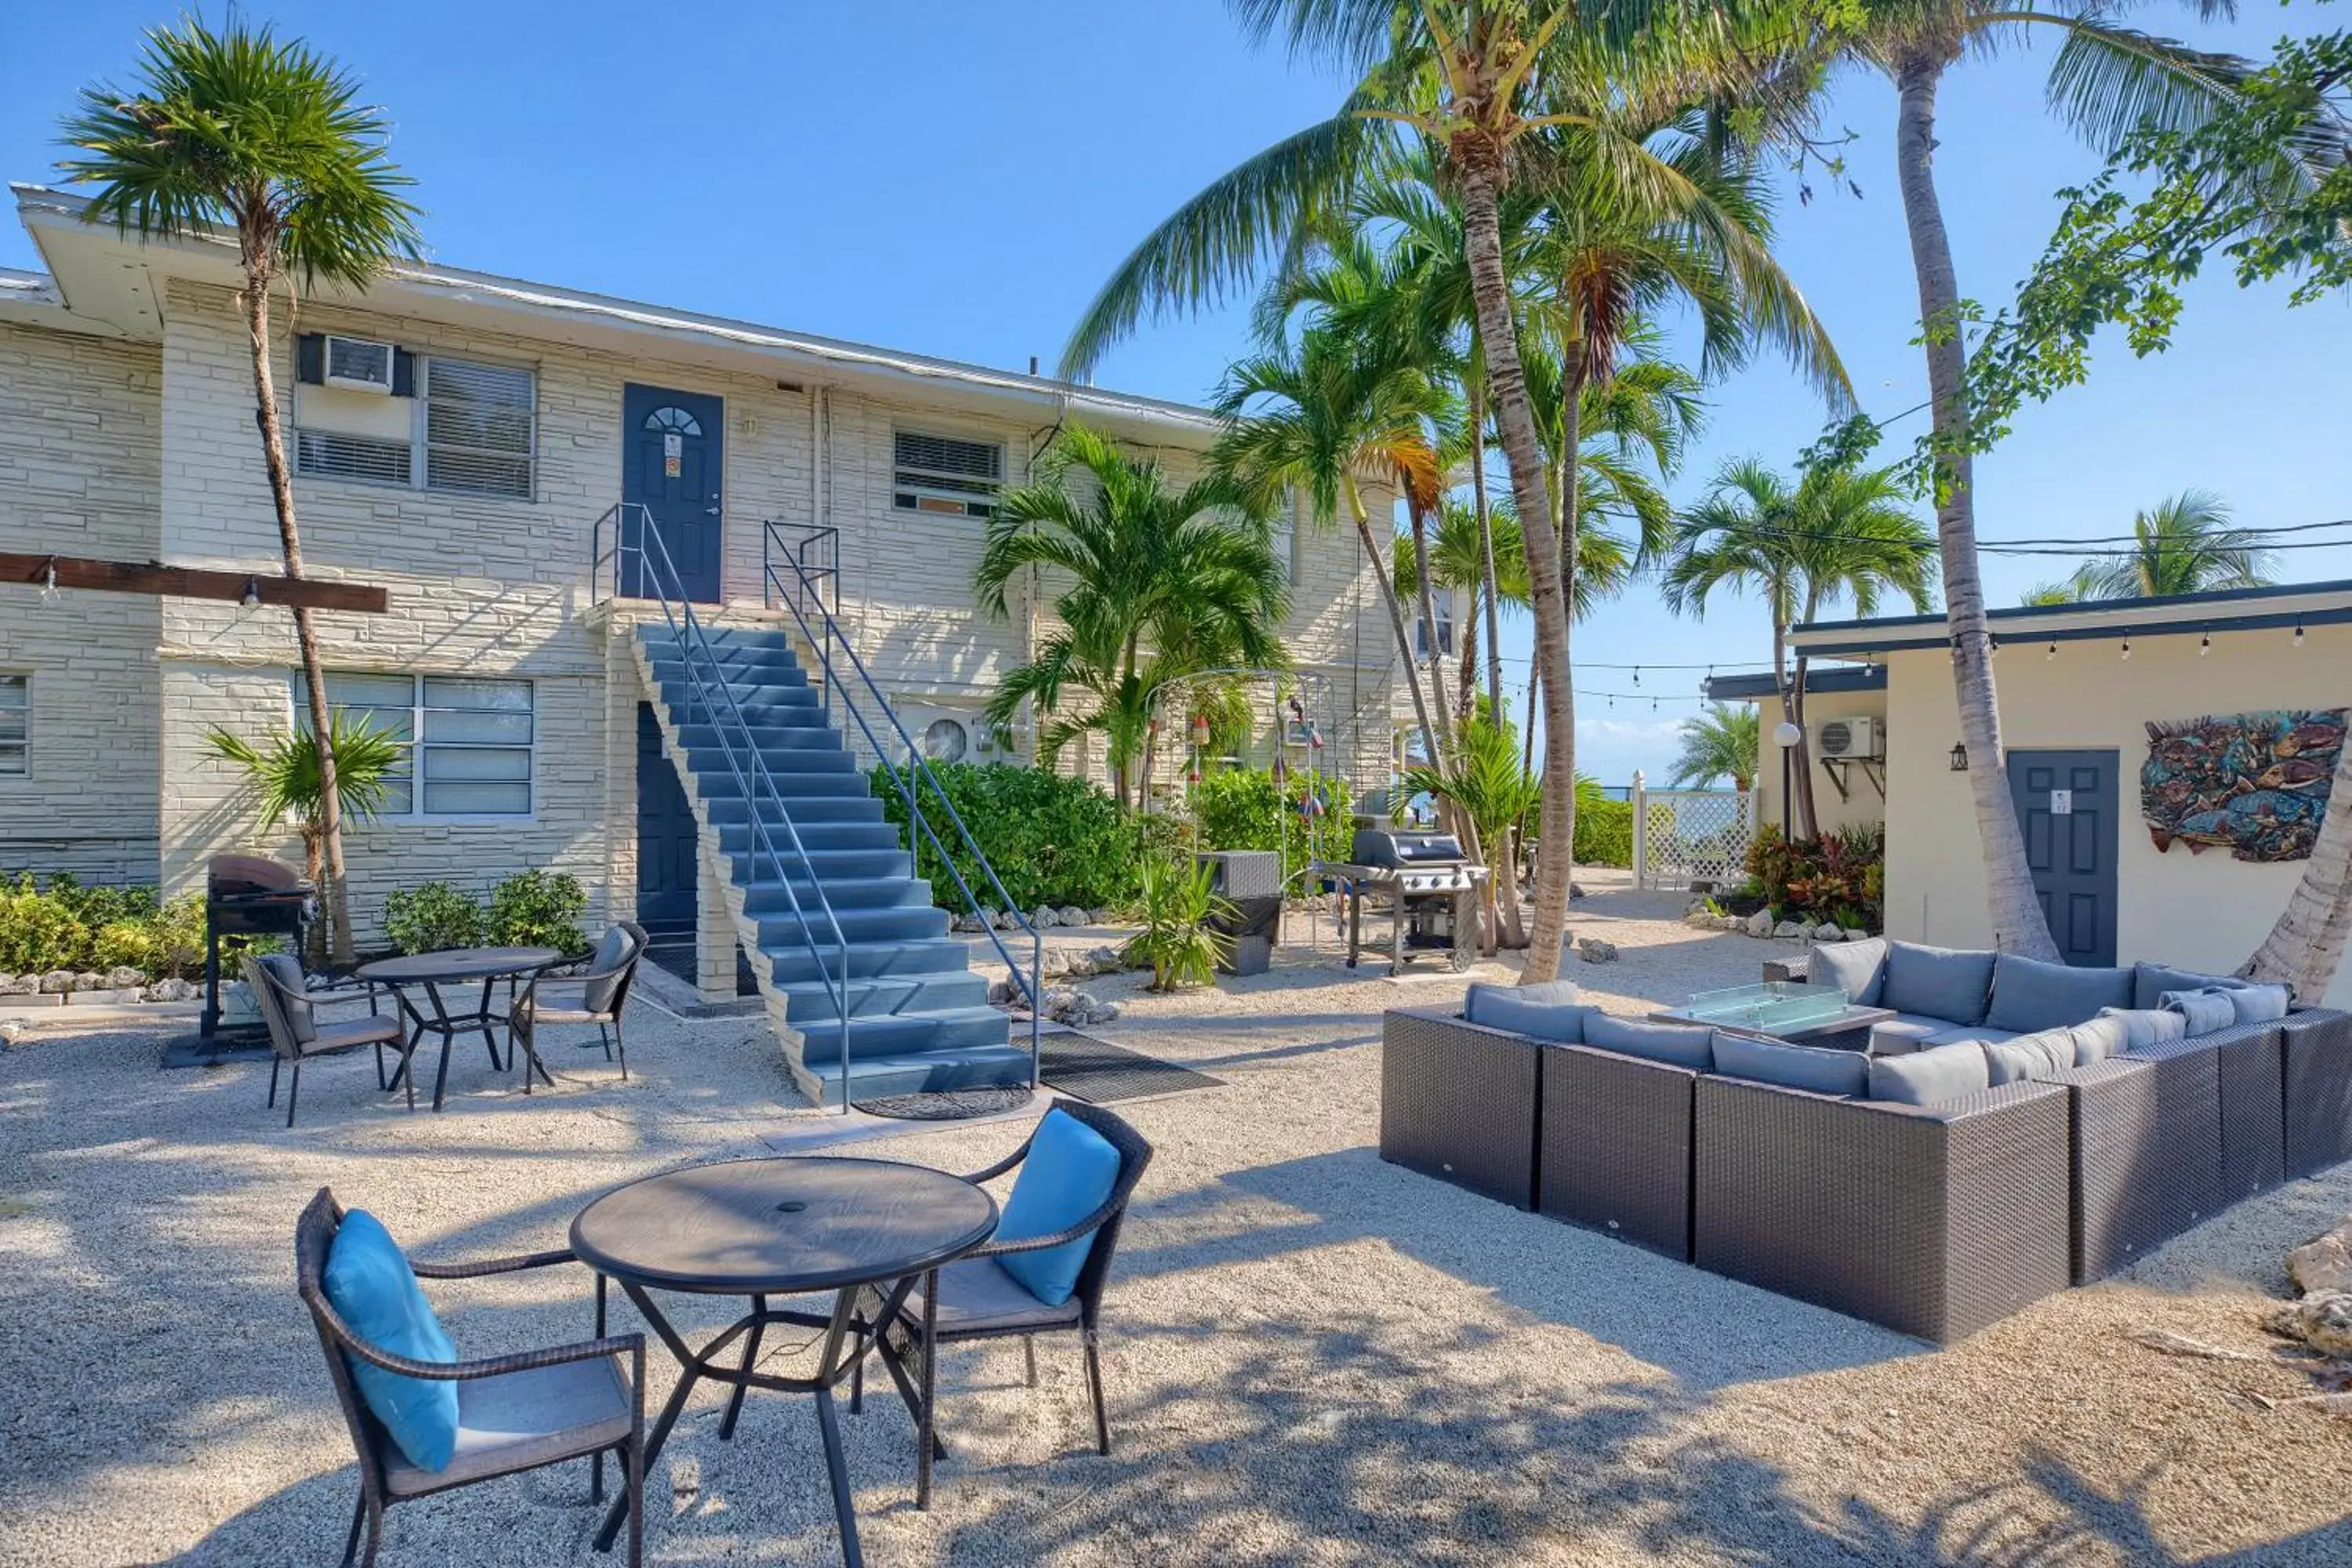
[946,735]
[1854,739]
[358,364]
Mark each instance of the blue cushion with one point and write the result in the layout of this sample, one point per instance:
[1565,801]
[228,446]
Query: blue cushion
[1678,1044]
[2207,1010]
[1814,1068]
[2034,1056]
[1905,1032]
[1546,1012]
[1856,968]
[374,1291]
[2259,1004]
[1982,1034]
[2029,994]
[2098,1039]
[1070,1169]
[1940,982]
[2151,981]
[1930,1077]
[2145,1027]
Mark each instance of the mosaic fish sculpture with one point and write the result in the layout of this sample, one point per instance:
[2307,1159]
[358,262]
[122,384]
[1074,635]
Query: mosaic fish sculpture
[2252,783]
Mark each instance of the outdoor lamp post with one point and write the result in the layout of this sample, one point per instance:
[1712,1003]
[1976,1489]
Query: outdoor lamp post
[1785,735]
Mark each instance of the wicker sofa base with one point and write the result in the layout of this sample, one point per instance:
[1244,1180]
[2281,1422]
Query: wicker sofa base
[1458,1102]
[2316,1066]
[1613,1146]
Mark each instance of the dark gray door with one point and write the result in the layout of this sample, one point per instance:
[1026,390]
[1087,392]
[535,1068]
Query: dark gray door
[2066,802]
[666,879]
[670,465]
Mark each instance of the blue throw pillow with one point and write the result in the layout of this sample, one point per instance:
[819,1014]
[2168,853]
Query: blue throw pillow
[1070,1169]
[1856,968]
[1545,1012]
[2029,995]
[1814,1068]
[1952,983]
[1677,1045]
[2151,981]
[2146,1027]
[374,1291]
[2259,1004]
[2206,1010]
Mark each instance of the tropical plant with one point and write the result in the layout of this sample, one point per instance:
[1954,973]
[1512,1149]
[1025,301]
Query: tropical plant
[1050,838]
[74,928]
[539,909]
[1251,808]
[1174,901]
[432,917]
[285,780]
[235,131]
[1604,827]
[1838,532]
[1493,789]
[2184,545]
[1154,581]
[1839,876]
[1721,743]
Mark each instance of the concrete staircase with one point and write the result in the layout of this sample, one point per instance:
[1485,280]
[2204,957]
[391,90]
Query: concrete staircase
[918,1019]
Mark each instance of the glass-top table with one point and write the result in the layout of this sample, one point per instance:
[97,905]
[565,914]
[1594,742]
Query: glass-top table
[1786,1010]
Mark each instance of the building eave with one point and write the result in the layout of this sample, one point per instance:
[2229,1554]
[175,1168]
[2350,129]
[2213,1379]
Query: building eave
[2281,606]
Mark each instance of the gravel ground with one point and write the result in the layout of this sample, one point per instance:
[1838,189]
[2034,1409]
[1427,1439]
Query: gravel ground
[1312,1357]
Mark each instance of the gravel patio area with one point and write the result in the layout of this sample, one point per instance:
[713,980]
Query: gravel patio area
[1311,1357]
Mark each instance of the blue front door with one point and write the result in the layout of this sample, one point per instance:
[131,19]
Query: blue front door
[670,465]
[2066,802]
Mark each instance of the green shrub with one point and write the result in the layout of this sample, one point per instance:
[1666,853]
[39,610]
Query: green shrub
[1241,808]
[431,917]
[539,909]
[69,926]
[40,932]
[1840,875]
[1604,831]
[1052,840]
[1173,897]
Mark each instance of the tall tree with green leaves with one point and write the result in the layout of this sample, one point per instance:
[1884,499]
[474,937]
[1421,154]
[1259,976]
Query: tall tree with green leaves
[1837,534]
[240,133]
[286,782]
[1151,582]
[2186,543]
[1722,742]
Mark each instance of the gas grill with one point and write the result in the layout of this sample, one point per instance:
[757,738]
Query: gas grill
[246,895]
[1422,875]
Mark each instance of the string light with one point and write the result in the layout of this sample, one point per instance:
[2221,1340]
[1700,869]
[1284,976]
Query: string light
[2204,645]
[251,598]
[2127,647]
[2052,653]
[50,592]
[2298,633]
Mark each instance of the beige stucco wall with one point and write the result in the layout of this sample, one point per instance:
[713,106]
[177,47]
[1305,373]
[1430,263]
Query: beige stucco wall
[79,468]
[2204,911]
[1862,803]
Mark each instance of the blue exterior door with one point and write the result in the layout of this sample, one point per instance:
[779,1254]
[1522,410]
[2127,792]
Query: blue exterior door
[667,882]
[2066,802]
[671,465]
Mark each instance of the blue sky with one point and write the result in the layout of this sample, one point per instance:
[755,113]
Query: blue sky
[958,180]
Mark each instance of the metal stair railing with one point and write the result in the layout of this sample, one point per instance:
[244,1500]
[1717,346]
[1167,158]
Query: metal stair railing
[640,546]
[810,558]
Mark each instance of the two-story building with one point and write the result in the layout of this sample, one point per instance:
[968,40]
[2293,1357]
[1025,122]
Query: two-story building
[456,436]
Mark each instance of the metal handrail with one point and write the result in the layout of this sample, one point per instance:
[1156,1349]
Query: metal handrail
[828,635]
[687,631]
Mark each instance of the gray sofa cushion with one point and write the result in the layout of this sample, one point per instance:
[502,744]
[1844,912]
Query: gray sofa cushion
[2145,1027]
[2029,994]
[2207,1010]
[1943,982]
[1856,968]
[1905,1032]
[1982,1034]
[1678,1044]
[2096,1040]
[2151,981]
[1814,1068]
[1930,1077]
[2259,1004]
[2034,1056]
[1546,1012]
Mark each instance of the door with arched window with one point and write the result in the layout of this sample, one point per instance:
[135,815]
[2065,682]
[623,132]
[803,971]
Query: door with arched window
[670,465]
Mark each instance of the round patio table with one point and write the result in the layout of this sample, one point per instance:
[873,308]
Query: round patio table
[427,973]
[788,1226]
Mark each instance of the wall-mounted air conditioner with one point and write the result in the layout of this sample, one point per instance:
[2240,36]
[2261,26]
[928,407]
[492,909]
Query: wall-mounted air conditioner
[1860,738]
[358,365]
[946,735]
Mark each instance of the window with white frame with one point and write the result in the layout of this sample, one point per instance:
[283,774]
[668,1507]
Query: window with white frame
[466,743]
[1286,519]
[945,474]
[16,725]
[1443,605]
[449,425]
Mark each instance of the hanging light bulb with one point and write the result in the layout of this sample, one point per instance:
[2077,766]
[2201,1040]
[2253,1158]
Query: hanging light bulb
[1992,646]
[1637,675]
[50,592]
[2053,652]
[251,598]
[2298,633]
[2127,647]
[2204,645]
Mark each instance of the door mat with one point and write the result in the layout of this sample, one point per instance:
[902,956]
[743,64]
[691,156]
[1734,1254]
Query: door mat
[1100,1072]
[951,1105]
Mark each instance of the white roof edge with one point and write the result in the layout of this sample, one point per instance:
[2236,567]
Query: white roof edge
[524,295]
[2120,613]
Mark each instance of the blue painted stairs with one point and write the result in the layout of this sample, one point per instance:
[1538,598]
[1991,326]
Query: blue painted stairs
[919,1018]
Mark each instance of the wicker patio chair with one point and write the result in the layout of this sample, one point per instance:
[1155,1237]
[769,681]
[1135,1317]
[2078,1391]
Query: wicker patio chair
[289,1010]
[515,1413]
[604,998]
[976,1298]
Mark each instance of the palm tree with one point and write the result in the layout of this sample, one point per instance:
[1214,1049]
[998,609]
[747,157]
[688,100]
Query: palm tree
[1838,534]
[1723,743]
[2185,544]
[235,131]
[1491,789]
[2105,81]
[1155,582]
[1457,554]
[285,780]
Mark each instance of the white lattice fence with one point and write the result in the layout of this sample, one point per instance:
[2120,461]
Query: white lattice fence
[1685,837]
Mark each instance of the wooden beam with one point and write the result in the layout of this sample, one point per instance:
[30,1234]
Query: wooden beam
[192,582]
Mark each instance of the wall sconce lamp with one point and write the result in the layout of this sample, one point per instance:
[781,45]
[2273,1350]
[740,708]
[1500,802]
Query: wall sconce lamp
[1960,757]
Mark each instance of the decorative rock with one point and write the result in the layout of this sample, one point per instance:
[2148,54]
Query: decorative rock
[57,982]
[2322,1321]
[971,925]
[1107,960]
[1700,919]
[1099,917]
[89,980]
[1758,924]
[1592,949]
[122,977]
[2324,1263]
[1107,1011]
[13,1030]
[19,984]
[1044,917]
[1788,929]
[1829,930]
[1071,915]
[1000,991]
[175,991]
[1856,933]
[1576,889]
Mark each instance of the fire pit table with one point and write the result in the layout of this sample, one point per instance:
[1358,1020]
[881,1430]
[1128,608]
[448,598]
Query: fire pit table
[1787,1010]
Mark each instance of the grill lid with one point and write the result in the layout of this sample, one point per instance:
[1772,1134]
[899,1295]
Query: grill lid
[1387,847]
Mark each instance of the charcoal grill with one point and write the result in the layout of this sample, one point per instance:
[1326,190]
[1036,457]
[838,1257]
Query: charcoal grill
[1424,876]
[246,895]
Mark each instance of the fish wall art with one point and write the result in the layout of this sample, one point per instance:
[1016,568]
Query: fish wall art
[2252,783]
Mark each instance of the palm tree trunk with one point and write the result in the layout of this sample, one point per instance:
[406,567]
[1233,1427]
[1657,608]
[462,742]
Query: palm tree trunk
[2017,925]
[1397,627]
[1428,605]
[306,636]
[1477,159]
[2305,948]
[1465,696]
[1792,703]
[1484,511]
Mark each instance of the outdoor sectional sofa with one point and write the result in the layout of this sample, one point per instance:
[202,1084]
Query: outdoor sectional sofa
[1929,1189]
